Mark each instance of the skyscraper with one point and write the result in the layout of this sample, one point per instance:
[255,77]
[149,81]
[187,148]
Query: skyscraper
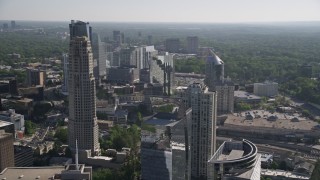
[203,127]
[192,44]
[100,55]
[79,29]
[214,70]
[117,38]
[216,82]
[35,77]
[82,101]
[172,45]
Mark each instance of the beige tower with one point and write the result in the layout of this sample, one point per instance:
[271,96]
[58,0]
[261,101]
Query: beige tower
[83,125]
[6,150]
[203,127]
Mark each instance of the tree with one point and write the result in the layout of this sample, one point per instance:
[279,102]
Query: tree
[62,134]
[316,171]
[243,106]
[29,127]
[103,174]
[274,165]
[139,119]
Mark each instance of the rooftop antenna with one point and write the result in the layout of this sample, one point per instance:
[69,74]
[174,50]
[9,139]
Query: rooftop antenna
[76,156]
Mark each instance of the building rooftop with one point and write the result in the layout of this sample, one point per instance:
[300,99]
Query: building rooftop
[280,173]
[4,123]
[245,95]
[28,173]
[214,58]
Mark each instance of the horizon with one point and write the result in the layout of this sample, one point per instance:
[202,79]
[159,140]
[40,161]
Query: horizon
[181,11]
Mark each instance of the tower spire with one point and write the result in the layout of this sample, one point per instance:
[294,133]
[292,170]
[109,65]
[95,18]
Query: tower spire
[76,156]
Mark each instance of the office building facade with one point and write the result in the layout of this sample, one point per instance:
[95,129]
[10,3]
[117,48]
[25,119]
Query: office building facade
[100,55]
[216,81]
[83,125]
[65,58]
[172,45]
[203,127]
[35,77]
[6,150]
[192,44]
[265,89]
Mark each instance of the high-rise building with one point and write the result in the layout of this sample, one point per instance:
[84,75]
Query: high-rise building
[13,24]
[150,53]
[35,77]
[172,45]
[99,54]
[216,82]
[203,127]
[149,40]
[225,97]
[6,150]
[79,29]
[117,38]
[214,69]
[192,44]
[83,125]
[65,73]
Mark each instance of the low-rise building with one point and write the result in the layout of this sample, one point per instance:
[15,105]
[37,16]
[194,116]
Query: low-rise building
[23,156]
[267,89]
[6,150]
[13,117]
[235,160]
[245,97]
[69,172]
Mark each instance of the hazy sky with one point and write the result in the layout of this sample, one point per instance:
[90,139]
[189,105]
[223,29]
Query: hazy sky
[161,10]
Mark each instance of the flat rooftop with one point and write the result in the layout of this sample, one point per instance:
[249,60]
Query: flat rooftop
[287,174]
[4,123]
[283,121]
[28,173]
[234,154]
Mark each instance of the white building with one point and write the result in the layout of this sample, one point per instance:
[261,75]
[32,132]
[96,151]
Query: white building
[203,127]
[13,117]
[225,98]
[235,160]
[265,89]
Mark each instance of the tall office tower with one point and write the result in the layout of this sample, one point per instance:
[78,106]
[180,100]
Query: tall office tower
[126,59]
[172,45]
[203,127]
[214,70]
[100,55]
[122,38]
[192,44]
[13,24]
[117,38]
[65,58]
[149,40]
[150,52]
[79,29]
[138,56]
[6,150]
[35,77]
[83,124]
[216,82]
[225,97]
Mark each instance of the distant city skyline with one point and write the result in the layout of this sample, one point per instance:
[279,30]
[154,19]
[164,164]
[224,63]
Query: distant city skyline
[204,11]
